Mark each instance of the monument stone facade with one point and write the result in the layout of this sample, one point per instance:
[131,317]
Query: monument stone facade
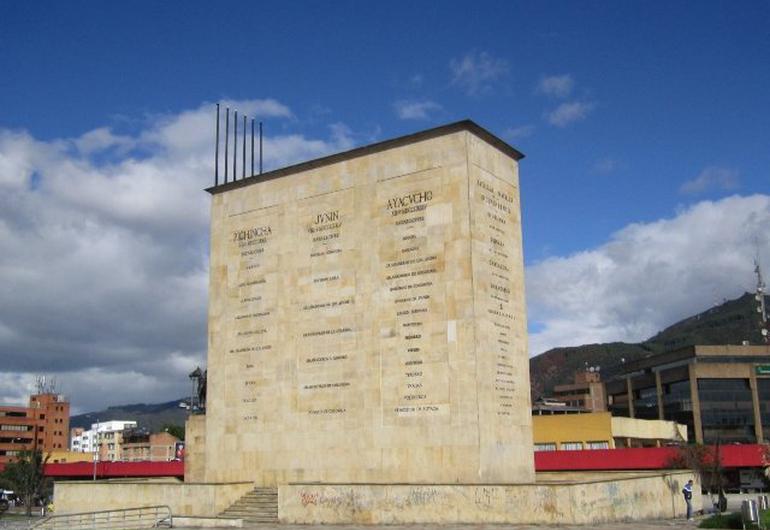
[367,320]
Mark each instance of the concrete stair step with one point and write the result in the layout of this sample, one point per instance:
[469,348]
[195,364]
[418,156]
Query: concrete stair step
[252,508]
[257,506]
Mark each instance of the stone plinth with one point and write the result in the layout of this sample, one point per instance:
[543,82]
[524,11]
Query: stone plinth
[584,498]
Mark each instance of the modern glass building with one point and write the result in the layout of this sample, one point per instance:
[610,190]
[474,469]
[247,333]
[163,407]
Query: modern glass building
[722,393]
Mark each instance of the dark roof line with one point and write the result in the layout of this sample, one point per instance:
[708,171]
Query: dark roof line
[443,130]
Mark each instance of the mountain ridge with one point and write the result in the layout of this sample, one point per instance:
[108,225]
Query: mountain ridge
[150,416]
[731,322]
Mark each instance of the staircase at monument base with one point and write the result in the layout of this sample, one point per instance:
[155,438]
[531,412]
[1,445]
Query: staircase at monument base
[258,506]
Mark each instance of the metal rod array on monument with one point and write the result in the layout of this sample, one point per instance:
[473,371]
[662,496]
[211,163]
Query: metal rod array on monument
[216,152]
[235,146]
[260,148]
[252,147]
[227,138]
[243,164]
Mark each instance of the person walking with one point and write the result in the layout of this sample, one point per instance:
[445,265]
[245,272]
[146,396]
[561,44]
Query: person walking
[687,492]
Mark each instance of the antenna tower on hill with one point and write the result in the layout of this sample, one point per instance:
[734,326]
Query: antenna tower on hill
[760,297]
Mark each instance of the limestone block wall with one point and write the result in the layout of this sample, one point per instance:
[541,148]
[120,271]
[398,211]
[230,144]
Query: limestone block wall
[608,499]
[367,321]
[183,498]
[195,448]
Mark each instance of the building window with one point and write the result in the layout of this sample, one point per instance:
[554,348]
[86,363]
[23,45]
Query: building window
[15,427]
[763,393]
[597,445]
[727,410]
[571,446]
[545,447]
[646,403]
[677,404]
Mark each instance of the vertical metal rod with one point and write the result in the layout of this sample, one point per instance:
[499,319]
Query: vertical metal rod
[243,164]
[227,138]
[260,148]
[216,152]
[252,147]
[235,146]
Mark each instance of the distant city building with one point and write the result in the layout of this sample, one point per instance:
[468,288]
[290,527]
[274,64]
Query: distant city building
[76,439]
[544,405]
[722,393]
[586,393]
[599,430]
[68,457]
[103,438]
[42,425]
[145,447]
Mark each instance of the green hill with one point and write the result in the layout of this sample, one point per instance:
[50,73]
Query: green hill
[732,322]
[148,416]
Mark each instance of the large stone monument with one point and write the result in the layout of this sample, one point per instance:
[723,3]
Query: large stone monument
[367,321]
[367,354]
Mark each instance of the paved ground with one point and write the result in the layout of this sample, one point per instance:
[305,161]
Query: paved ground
[18,522]
[22,524]
[641,525]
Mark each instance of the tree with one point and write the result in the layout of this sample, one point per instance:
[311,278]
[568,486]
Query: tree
[174,430]
[706,461]
[26,477]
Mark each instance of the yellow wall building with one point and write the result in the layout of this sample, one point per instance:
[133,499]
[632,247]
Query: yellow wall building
[62,457]
[599,430]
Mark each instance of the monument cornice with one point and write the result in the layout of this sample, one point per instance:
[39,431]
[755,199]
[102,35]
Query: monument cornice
[443,130]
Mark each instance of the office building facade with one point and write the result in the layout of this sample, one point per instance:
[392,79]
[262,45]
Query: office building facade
[722,393]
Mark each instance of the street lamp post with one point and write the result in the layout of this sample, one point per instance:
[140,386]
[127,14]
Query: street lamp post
[96,446]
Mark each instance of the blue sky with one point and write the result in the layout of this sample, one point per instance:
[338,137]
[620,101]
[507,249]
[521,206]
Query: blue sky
[645,127]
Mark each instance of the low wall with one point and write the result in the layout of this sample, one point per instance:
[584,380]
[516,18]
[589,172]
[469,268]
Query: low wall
[557,501]
[195,499]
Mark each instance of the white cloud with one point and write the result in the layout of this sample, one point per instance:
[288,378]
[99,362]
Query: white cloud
[415,110]
[517,133]
[342,136]
[475,72]
[605,166]
[647,276]
[102,139]
[559,86]
[718,178]
[104,264]
[416,80]
[568,113]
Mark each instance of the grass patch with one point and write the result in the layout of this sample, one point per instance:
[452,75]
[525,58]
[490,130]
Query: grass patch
[14,516]
[730,520]
[722,520]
